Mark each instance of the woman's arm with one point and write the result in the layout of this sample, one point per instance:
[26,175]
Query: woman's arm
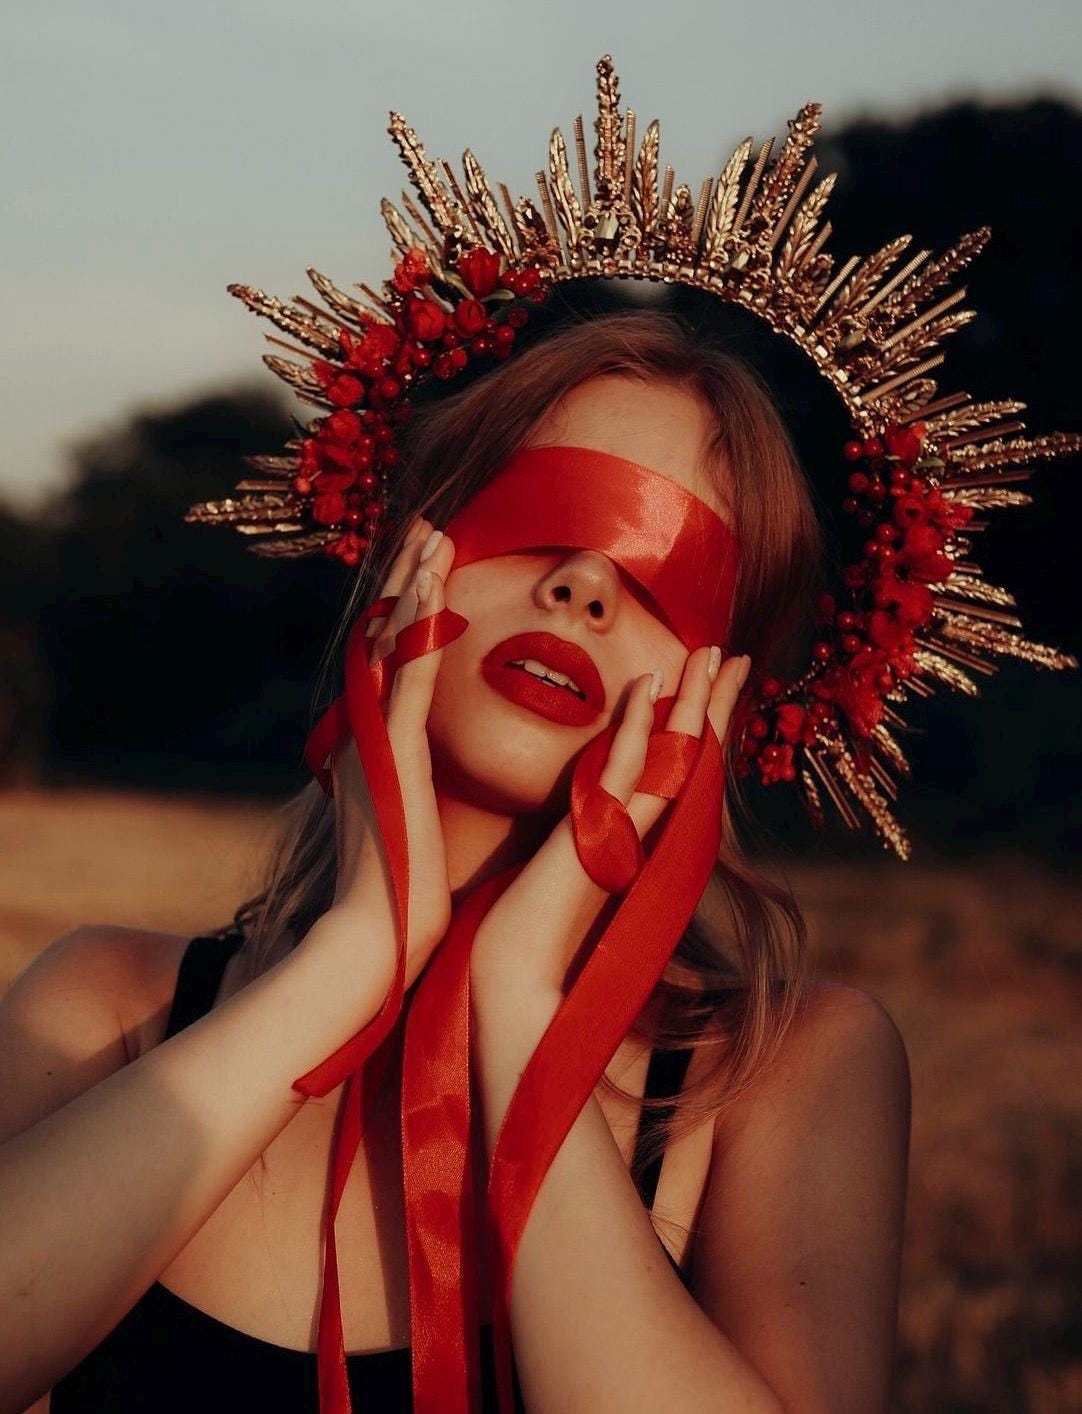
[97,1197]
[797,1256]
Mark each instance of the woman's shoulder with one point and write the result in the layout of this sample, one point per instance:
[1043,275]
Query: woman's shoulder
[91,1002]
[843,1045]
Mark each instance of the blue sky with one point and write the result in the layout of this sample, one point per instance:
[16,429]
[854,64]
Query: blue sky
[158,151]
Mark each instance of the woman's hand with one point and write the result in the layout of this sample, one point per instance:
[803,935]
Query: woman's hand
[529,937]
[363,879]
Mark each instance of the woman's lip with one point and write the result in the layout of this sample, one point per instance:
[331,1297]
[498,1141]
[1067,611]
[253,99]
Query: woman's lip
[558,704]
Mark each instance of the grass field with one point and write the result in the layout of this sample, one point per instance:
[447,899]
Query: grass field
[980,967]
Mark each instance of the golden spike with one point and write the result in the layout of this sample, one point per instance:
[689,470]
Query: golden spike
[644,193]
[482,201]
[975,415]
[990,639]
[416,215]
[257,509]
[336,321]
[917,290]
[666,193]
[876,807]
[563,191]
[509,206]
[889,715]
[929,314]
[813,799]
[700,212]
[400,233]
[845,810]
[979,434]
[1004,453]
[297,375]
[978,611]
[423,173]
[629,155]
[892,284]
[546,205]
[296,546]
[879,771]
[914,684]
[779,179]
[608,150]
[928,409]
[272,465]
[864,280]
[791,205]
[938,666]
[890,748]
[337,299]
[462,204]
[289,320]
[921,339]
[382,308]
[580,157]
[842,275]
[987,498]
[896,382]
[799,241]
[752,186]
[981,479]
[290,348]
[723,207]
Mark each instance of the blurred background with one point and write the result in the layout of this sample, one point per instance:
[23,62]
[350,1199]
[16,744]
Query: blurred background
[155,681]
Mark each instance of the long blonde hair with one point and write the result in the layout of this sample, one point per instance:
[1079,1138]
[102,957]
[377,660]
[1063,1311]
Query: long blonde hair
[739,974]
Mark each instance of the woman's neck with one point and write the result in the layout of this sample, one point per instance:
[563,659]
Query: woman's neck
[480,842]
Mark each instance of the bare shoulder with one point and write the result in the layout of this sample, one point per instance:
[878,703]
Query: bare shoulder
[799,1247]
[91,1002]
[843,1040]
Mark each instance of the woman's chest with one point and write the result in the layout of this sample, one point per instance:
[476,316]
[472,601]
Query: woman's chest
[256,1263]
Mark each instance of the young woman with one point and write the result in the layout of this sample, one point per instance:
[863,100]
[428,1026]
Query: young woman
[163,1185]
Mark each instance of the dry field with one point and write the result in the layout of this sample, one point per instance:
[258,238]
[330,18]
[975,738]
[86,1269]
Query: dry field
[979,967]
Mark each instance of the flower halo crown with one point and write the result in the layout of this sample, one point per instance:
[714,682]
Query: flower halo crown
[910,611]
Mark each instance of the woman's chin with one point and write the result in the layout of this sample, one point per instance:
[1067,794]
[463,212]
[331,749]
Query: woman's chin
[498,773]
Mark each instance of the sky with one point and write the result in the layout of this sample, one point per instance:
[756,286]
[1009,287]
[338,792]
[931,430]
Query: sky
[156,152]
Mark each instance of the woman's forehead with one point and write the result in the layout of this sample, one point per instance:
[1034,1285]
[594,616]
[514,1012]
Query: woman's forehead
[655,423]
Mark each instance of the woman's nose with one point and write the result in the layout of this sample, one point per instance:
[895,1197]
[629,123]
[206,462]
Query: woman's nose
[586,585]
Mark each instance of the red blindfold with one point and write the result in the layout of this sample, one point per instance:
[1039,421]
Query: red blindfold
[667,539]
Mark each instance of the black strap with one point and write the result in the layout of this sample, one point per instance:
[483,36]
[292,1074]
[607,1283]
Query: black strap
[199,977]
[664,1079]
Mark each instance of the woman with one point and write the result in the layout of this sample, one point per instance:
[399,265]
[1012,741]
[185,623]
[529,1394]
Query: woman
[164,1184]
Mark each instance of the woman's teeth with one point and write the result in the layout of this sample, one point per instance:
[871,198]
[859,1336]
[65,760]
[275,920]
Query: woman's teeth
[548,674]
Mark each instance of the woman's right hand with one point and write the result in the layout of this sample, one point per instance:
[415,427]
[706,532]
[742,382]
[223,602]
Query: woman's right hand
[363,883]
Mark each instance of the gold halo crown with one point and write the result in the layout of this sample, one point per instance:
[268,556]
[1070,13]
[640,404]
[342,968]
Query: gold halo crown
[755,235]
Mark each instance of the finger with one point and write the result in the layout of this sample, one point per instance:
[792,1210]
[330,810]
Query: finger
[627,755]
[400,574]
[415,680]
[687,714]
[726,693]
[400,584]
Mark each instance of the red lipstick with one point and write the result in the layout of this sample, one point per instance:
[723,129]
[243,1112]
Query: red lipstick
[554,701]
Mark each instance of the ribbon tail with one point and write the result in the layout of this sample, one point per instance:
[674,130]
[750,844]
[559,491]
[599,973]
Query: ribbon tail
[582,1037]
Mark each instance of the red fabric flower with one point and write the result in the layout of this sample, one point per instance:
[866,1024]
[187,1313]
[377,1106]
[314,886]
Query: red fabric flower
[412,270]
[346,391]
[329,507]
[480,271]
[470,317]
[426,320]
[791,721]
[904,443]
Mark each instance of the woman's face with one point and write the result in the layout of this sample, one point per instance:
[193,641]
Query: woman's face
[501,754]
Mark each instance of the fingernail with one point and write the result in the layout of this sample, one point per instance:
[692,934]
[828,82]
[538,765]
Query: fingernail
[744,671]
[423,584]
[655,684]
[431,543]
[713,663]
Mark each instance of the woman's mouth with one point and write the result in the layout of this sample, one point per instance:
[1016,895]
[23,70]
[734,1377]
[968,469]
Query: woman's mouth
[551,676]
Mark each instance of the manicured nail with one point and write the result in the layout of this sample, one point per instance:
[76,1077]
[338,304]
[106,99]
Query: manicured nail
[431,543]
[713,663]
[423,585]
[655,684]
[742,676]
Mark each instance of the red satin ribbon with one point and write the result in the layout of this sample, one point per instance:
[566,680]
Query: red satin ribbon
[543,497]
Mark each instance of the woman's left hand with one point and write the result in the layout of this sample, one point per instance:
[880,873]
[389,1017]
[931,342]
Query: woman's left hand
[530,935]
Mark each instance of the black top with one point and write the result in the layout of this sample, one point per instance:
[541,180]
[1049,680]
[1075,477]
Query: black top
[168,1356]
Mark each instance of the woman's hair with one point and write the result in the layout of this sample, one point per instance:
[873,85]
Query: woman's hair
[739,974]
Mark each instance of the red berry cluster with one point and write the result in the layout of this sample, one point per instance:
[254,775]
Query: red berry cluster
[865,648]
[441,318]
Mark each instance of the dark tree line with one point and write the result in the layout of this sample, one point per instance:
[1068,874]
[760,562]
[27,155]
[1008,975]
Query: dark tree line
[139,650]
